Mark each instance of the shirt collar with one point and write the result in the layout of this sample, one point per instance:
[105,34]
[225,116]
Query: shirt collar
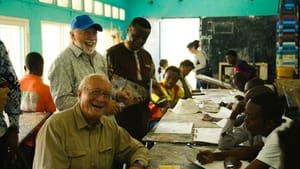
[80,120]
[79,52]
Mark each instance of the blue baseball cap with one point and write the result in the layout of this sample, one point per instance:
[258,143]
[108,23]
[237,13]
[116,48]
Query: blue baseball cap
[84,22]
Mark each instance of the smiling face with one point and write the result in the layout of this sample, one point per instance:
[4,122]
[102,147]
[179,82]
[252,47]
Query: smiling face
[85,39]
[136,37]
[171,78]
[94,98]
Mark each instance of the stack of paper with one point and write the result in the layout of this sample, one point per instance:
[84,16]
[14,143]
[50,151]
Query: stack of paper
[174,127]
[186,106]
[207,135]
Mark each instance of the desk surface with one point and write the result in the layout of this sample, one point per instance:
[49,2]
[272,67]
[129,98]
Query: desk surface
[285,88]
[195,118]
[183,156]
[178,138]
[170,154]
[29,121]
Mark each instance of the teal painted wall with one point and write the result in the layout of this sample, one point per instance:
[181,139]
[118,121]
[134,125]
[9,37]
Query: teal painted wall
[203,8]
[35,11]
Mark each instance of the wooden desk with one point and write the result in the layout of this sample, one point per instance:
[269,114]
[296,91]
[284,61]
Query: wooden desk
[177,138]
[195,118]
[29,121]
[178,154]
[171,154]
[285,88]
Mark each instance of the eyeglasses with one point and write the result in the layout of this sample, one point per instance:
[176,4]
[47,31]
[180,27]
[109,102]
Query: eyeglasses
[97,92]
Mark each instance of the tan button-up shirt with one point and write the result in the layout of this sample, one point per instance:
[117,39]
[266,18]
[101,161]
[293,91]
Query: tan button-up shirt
[66,140]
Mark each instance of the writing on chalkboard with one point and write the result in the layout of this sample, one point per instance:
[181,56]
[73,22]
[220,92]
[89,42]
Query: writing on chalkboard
[223,27]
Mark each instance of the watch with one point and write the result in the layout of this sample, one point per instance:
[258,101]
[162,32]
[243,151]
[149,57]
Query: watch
[140,162]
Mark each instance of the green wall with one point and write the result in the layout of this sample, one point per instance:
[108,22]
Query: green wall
[36,11]
[203,8]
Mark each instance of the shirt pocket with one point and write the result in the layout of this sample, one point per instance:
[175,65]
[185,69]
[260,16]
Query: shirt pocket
[106,155]
[77,158]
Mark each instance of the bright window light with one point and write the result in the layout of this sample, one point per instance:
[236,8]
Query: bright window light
[115,12]
[122,14]
[14,34]
[171,27]
[107,10]
[53,32]
[77,4]
[98,8]
[88,6]
[63,3]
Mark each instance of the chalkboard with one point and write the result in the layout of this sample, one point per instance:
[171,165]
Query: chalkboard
[254,39]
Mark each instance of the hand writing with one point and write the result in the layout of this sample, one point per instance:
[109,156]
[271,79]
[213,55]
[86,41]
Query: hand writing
[205,157]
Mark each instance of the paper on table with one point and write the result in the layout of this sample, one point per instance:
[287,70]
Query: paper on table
[223,113]
[222,123]
[207,135]
[174,127]
[215,164]
[186,106]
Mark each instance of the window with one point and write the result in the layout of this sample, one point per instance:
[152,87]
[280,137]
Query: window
[77,4]
[115,12]
[63,3]
[98,8]
[88,6]
[181,31]
[107,10]
[55,38]
[13,33]
[122,14]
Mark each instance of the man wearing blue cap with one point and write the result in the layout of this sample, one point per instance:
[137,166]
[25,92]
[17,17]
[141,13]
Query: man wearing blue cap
[78,60]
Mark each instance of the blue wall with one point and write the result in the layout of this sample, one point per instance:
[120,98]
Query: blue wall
[203,8]
[36,11]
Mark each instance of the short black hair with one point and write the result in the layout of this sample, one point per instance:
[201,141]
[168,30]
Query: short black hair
[187,63]
[173,69]
[33,61]
[194,44]
[141,21]
[231,53]
[271,104]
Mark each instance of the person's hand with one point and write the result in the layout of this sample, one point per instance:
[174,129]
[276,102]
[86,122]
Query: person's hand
[170,104]
[240,108]
[12,139]
[136,166]
[113,108]
[207,117]
[232,163]
[205,157]
[125,96]
[239,97]
[3,97]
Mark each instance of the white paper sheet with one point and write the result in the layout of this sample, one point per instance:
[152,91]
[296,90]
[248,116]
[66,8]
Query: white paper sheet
[207,135]
[186,106]
[174,127]
[222,122]
[222,113]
